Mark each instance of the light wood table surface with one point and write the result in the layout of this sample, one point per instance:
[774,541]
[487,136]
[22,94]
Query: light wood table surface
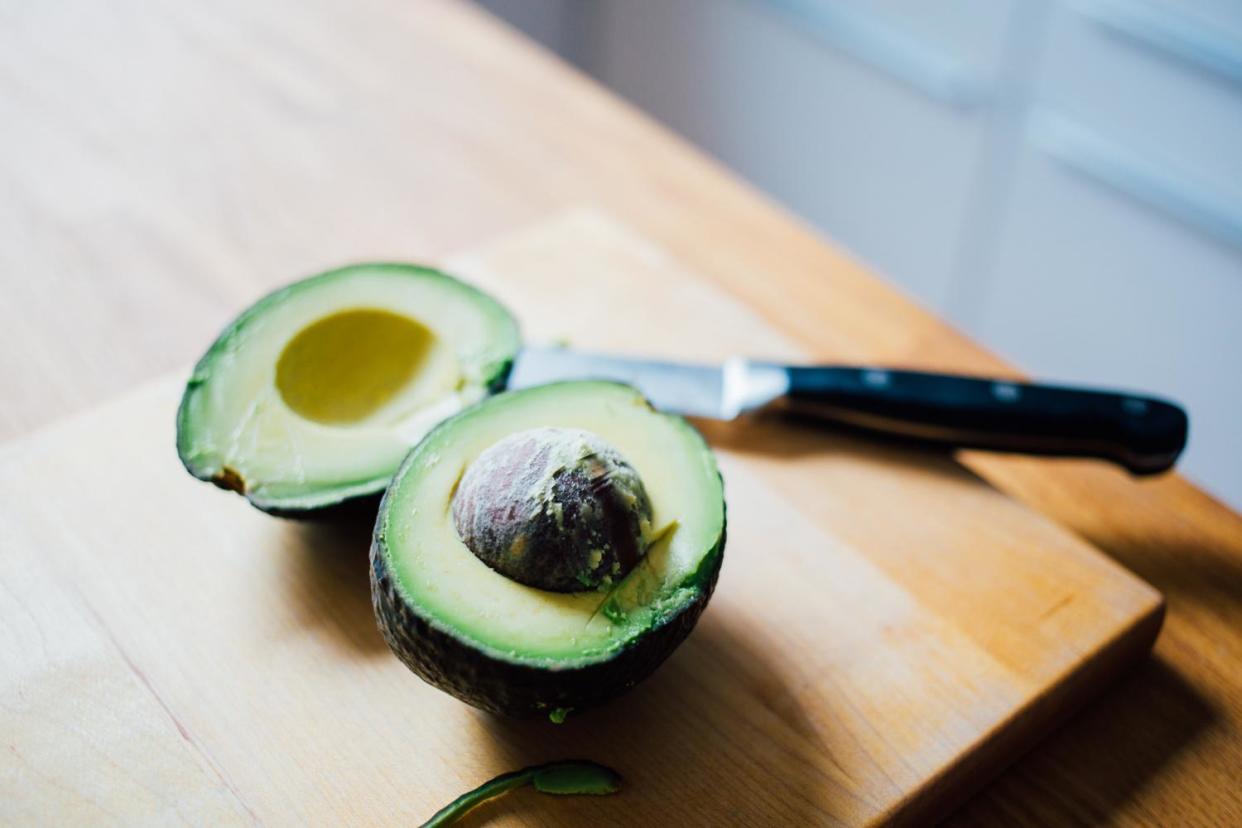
[165,164]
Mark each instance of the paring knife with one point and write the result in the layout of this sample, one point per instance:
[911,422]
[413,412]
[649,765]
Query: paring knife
[1141,433]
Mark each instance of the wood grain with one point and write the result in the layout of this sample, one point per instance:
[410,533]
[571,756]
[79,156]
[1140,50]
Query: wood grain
[164,165]
[888,631]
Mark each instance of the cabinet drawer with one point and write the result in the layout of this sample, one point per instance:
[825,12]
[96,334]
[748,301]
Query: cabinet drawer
[1094,286]
[1165,78]
[972,31]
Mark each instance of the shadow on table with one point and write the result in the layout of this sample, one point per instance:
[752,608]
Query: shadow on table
[720,736]
[789,436]
[328,582]
[1209,576]
[1103,756]
[1091,769]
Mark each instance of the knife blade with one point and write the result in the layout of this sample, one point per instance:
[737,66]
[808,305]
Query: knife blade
[1142,433]
[719,392]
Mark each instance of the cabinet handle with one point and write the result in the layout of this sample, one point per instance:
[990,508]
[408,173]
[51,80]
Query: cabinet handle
[889,50]
[1109,162]
[1159,27]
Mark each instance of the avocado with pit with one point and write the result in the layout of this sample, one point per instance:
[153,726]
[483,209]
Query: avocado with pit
[309,400]
[547,549]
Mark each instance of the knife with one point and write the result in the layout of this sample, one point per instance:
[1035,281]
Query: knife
[1141,433]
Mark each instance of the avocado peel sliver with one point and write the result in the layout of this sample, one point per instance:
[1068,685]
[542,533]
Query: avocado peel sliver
[568,777]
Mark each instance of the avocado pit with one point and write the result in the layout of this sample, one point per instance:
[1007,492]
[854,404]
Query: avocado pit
[554,508]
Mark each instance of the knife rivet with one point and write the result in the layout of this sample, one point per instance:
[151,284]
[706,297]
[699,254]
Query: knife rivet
[876,378]
[1006,391]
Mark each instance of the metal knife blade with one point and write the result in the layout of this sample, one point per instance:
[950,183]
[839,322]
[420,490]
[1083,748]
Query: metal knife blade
[719,392]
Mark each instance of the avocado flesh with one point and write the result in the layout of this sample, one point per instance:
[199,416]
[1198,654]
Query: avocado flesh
[465,627]
[314,394]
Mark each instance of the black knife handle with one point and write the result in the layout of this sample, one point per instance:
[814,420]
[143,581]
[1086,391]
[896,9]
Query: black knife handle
[1141,433]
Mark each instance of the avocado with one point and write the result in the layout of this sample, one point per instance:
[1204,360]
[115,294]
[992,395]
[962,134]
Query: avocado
[309,400]
[638,523]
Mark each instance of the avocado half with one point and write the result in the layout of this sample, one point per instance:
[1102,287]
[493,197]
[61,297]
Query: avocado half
[310,399]
[510,648]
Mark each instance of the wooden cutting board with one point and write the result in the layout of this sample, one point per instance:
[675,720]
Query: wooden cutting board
[889,630]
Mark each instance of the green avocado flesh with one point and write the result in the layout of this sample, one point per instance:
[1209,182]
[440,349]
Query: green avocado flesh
[513,648]
[314,394]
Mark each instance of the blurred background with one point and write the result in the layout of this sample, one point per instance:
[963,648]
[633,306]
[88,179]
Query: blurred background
[1062,180]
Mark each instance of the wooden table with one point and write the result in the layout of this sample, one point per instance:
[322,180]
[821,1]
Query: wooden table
[166,164]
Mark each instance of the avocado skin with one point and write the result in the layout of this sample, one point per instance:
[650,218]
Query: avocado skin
[522,690]
[360,508]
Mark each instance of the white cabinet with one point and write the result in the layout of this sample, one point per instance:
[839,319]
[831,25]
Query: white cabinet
[1063,179]
[1152,82]
[852,149]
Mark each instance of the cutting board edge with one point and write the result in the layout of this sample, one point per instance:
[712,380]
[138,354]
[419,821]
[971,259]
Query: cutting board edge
[1012,738]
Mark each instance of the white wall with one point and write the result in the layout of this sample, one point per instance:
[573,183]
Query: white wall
[1062,179]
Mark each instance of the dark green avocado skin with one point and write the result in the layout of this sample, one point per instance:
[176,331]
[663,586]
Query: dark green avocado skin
[360,508]
[521,690]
